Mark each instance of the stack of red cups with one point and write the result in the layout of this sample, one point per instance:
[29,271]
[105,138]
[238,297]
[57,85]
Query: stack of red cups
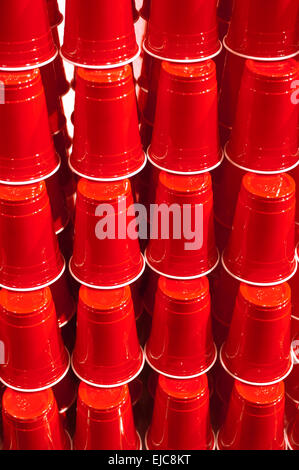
[178,104]
[107,259]
[255,220]
[34,359]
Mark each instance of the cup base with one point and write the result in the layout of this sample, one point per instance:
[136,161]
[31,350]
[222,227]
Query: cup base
[119,384]
[213,446]
[117,178]
[40,389]
[118,286]
[264,59]
[261,284]
[260,172]
[247,382]
[36,180]
[102,67]
[181,278]
[182,61]
[190,173]
[181,377]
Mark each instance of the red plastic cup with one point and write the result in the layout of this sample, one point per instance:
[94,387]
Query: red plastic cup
[55,17]
[222,234]
[27,153]
[254,419]
[98,261]
[269,141]
[57,198]
[181,343]
[185,138]
[107,143]
[135,11]
[182,32]
[56,115]
[265,30]
[181,418]
[26,40]
[231,80]
[107,352]
[34,354]
[262,246]
[68,180]
[29,256]
[292,387]
[105,420]
[66,242]
[31,422]
[148,87]
[258,347]
[174,255]
[223,385]
[63,300]
[227,180]
[96,37]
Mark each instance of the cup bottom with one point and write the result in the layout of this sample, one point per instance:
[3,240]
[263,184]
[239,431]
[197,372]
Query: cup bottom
[103,66]
[182,61]
[264,59]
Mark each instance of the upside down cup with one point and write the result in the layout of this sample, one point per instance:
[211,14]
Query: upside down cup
[96,37]
[107,143]
[185,138]
[182,32]
[182,243]
[26,40]
[106,248]
[31,422]
[34,354]
[181,417]
[268,143]
[258,347]
[265,30]
[255,418]
[107,352]
[105,419]
[181,343]
[29,253]
[261,247]
[27,152]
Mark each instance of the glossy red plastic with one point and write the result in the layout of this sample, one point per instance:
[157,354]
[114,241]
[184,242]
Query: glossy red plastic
[55,17]
[66,242]
[185,137]
[63,300]
[148,83]
[264,30]
[95,36]
[29,251]
[26,40]
[27,153]
[56,68]
[145,9]
[149,289]
[67,178]
[135,11]
[105,419]
[258,347]
[231,80]
[227,180]
[182,31]
[269,140]
[107,143]
[254,419]
[107,352]
[181,418]
[173,256]
[223,384]
[57,198]
[292,385]
[56,115]
[31,422]
[225,9]
[107,262]
[181,343]
[222,234]
[261,246]
[35,357]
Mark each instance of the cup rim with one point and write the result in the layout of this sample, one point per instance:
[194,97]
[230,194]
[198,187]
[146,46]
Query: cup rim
[258,58]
